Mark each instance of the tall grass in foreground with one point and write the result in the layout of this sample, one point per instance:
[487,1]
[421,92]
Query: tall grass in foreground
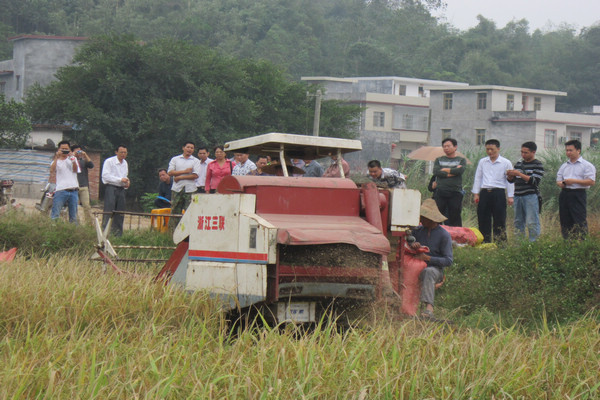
[68,331]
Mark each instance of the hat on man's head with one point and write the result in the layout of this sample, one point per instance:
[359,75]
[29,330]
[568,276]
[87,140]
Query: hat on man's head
[430,211]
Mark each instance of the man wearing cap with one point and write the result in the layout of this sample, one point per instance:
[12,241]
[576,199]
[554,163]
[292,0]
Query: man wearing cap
[439,256]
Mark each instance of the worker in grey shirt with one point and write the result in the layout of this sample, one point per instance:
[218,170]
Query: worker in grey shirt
[312,169]
[440,256]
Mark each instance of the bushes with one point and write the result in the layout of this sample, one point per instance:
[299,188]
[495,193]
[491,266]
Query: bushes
[38,235]
[526,279]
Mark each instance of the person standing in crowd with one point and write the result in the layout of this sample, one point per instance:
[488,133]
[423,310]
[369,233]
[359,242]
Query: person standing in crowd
[439,242]
[333,171]
[244,166]
[65,166]
[448,170]
[574,177]
[85,164]
[203,154]
[312,169]
[526,176]
[491,190]
[114,176]
[164,190]
[185,169]
[385,177]
[217,170]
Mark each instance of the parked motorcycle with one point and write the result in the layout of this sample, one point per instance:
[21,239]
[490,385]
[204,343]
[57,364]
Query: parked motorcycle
[6,192]
[45,204]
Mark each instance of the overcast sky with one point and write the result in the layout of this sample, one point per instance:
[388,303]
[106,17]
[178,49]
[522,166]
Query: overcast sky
[542,14]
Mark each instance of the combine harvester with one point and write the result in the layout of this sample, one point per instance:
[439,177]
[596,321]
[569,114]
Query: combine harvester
[293,247]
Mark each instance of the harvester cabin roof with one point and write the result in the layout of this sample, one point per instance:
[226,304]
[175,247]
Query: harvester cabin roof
[295,146]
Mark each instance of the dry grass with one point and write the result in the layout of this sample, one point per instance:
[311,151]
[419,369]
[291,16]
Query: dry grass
[69,331]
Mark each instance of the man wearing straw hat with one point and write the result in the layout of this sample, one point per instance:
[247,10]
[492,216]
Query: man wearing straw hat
[439,256]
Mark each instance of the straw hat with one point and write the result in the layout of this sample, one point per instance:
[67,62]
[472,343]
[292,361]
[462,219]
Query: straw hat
[430,211]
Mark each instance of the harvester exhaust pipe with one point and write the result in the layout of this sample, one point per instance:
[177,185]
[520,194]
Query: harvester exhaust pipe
[373,204]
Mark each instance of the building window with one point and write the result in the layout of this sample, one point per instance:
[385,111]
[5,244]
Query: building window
[480,137]
[421,91]
[510,102]
[524,101]
[481,101]
[2,87]
[447,101]
[407,121]
[402,90]
[575,136]
[537,103]
[18,82]
[550,138]
[446,133]
[378,118]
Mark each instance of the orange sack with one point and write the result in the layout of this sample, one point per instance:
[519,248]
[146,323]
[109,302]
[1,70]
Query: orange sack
[410,290]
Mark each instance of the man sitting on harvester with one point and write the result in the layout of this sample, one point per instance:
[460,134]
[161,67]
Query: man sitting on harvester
[439,256]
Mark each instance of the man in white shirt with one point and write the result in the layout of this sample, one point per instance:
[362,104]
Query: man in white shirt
[65,166]
[574,177]
[203,154]
[114,176]
[491,191]
[185,169]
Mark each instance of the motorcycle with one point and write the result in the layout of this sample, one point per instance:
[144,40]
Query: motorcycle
[45,204]
[6,192]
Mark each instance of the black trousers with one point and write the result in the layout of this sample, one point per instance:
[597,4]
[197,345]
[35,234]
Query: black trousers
[114,200]
[450,205]
[572,211]
[491,214]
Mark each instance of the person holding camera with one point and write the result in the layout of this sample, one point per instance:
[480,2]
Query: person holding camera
[85,163]
[65,166]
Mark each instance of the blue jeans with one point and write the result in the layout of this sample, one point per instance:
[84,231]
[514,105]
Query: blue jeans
[527,214]
[61,198]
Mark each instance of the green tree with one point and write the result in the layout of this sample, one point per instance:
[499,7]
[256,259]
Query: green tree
[14,124]
[153,96]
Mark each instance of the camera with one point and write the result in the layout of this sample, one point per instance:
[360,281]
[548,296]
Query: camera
[65,151]
[79,152]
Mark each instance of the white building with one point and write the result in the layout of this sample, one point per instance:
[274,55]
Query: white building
[396,111]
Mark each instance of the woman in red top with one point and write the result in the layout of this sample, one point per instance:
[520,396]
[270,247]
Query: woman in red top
[217,170]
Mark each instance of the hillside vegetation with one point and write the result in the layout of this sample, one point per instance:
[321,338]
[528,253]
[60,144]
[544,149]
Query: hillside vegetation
[339,38]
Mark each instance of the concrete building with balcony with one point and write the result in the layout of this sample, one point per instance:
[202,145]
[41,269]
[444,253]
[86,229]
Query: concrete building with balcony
[512,115]
[396,111]
[36,59]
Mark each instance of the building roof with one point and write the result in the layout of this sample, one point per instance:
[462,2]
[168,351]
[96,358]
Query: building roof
[46,37]
[379,78]
[496,87]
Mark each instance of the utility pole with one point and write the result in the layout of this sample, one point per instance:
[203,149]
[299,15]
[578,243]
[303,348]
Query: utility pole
[317,113]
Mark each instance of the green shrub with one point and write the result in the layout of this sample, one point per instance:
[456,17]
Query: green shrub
[525,279]
[37,235]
